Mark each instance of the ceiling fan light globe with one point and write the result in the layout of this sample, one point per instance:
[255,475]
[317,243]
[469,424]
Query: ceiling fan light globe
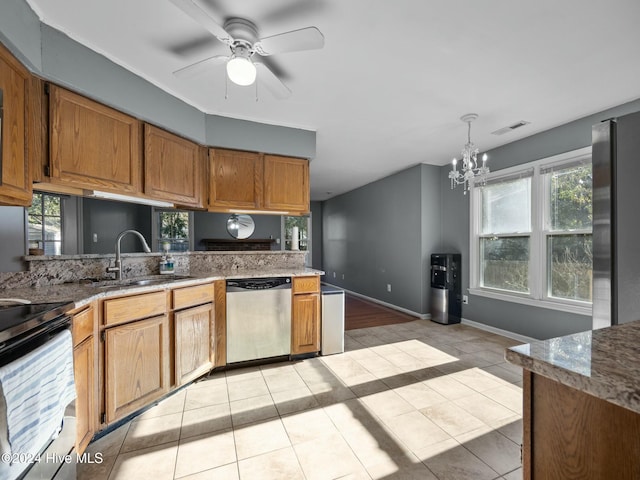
[241,71]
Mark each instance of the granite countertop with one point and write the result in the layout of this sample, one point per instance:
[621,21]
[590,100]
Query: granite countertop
[82,293]
[604,363]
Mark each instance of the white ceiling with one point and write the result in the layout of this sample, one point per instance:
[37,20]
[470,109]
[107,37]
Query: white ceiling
[394,77]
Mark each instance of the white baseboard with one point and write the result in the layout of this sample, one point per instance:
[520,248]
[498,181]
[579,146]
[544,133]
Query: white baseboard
[421,316]
[499,331]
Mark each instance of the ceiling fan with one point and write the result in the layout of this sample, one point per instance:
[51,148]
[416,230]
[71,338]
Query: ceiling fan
[241,36]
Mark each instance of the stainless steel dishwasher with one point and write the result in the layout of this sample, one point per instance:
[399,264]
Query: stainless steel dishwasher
[258,318]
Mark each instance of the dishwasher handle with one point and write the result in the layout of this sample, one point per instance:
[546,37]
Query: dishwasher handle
[269,283]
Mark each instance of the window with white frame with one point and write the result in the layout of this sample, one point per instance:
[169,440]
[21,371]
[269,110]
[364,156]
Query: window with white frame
[531,233]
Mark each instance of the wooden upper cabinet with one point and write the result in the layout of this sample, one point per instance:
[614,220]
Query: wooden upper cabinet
[93,146]
[235,180]
[173,168]
[286,184]
[15,182]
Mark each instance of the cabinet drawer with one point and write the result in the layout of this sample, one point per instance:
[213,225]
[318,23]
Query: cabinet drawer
[306,284]
[82,325]
[134,307]
[191,296]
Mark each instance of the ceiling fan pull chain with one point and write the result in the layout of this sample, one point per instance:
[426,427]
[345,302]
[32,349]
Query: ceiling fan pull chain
[256,91]
[226,87]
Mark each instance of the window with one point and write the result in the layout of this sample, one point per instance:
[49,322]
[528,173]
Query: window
[304,234]
[505,235]
[531,233]
[175,228]
[45,223]
[568,231]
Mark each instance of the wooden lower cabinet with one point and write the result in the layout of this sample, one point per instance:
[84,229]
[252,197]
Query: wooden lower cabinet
[305,315]
[194,336]
[83,356]
[220,334]
[85,374]
[569,434]
[136,365]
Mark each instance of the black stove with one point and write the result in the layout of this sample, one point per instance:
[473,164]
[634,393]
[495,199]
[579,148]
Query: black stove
[22,325]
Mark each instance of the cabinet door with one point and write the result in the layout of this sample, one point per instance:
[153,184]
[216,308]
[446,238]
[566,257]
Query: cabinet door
[84,373]
[15,182]
[193,345]
[136,365]
[172,168]
[286,184]
[305,326]
[93,146]
[235,180]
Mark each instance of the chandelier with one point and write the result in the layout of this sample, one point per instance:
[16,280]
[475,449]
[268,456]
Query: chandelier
[469,171]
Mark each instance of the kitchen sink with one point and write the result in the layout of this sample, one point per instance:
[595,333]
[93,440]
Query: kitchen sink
[134,282]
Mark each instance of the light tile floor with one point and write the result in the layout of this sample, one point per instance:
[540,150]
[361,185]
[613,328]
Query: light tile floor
[415,400]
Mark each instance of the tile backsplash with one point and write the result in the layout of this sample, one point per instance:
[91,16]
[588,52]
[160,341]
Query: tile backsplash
[53,270]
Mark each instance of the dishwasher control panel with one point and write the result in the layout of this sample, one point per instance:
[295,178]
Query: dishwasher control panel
[258,283]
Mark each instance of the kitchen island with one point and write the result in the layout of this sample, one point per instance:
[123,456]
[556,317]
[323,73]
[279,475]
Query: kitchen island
[581,415]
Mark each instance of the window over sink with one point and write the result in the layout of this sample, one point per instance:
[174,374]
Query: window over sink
[174,227]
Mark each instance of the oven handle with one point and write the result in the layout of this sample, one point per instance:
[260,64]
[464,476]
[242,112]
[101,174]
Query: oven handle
[45,332]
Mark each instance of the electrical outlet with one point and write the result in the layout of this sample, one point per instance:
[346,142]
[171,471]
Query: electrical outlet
[334,274]
[95,238]
[388,287]
[343,276]
[465,299]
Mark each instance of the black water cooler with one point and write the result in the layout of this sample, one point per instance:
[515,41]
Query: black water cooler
[446,288]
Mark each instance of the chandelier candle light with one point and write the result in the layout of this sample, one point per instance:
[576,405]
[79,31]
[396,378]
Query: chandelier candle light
[467,175]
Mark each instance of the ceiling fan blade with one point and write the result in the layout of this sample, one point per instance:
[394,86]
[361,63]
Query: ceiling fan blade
[272,83]
[200,67]
[309,38]
[194,9]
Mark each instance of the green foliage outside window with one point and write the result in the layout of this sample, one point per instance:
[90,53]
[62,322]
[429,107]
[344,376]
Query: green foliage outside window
[174,230]
[570,255]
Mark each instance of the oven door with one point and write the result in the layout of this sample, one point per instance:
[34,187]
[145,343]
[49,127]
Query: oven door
[50,454]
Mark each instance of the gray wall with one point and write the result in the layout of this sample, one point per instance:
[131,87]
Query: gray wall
[316,235]
[107,219]
[214,225]
[522,319]
[13,244]
[20,32]
[382,234]
[260,137]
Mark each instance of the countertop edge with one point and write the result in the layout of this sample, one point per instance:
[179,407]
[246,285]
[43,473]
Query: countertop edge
[82,295]
[620,390]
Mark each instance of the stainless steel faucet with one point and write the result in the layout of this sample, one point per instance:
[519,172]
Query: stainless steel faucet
[117,268]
